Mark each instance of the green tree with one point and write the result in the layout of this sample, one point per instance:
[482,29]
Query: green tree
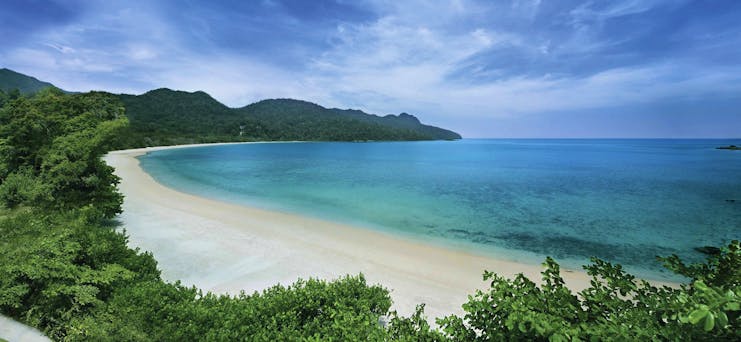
[54,269]
[50,149]
[616,306]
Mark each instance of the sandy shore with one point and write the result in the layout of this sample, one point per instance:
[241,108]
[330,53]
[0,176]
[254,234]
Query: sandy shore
[226,248]
[14,331]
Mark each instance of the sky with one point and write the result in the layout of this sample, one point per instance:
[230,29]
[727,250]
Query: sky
[520,68]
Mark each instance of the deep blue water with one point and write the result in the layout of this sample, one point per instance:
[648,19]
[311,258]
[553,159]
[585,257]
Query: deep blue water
[622,200]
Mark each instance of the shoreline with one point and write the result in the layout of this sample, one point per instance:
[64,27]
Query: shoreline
[228,248]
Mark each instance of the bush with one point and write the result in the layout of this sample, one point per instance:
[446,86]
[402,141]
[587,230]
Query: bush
[616,306]
[22,187]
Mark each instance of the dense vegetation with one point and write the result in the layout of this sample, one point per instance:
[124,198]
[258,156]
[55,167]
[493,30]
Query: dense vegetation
[166,117]
[66,269]
[169,117]
[286,119]
[50,151]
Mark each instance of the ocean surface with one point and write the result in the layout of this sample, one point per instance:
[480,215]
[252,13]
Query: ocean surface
[625,201]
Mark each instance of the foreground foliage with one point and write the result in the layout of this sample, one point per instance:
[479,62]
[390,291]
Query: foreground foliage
[66,270]
[79,281]
[616,306]
[50,148]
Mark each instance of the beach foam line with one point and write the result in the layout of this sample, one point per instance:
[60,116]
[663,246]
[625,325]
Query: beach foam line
[228,248]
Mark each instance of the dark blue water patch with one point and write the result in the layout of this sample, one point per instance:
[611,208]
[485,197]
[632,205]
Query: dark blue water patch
[644,256]
[622,200]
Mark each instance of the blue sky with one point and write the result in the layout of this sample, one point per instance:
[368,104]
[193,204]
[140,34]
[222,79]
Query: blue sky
[521,68]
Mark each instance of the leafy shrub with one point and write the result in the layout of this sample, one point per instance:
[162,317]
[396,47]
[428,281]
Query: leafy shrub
[22,187]
[616,306]
[50,149]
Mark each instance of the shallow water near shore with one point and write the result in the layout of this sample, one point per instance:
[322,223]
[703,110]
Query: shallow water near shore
[622,200]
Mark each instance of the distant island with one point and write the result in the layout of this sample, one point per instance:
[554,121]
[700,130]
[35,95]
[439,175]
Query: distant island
[729,147]
[170,117]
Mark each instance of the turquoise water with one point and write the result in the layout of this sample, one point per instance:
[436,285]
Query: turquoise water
[622,200]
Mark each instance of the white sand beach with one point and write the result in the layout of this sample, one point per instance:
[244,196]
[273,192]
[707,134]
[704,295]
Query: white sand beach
[14,331]
[227,248]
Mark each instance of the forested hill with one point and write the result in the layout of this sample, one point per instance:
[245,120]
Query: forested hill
[166,117]
[169,117]
[404,121]
[11,80]
[300,120]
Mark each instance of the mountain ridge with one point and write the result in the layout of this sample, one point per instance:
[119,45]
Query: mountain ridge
[164,116]
[10,80]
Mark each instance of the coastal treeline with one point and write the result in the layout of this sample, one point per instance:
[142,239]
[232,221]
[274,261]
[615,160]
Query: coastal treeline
[169,117]
[66,269]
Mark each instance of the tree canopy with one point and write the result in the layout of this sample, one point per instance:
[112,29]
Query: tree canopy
[50,149]
[166,117]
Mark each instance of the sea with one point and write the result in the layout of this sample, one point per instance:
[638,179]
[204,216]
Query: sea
[622,200]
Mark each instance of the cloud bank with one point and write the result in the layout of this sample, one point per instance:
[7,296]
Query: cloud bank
[487,69]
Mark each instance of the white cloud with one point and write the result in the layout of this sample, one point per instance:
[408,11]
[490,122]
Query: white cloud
[29,59]
[141,52]
[588,12]
[400,62]
[234,80]
[526,8]
[60,48]
[396,65]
